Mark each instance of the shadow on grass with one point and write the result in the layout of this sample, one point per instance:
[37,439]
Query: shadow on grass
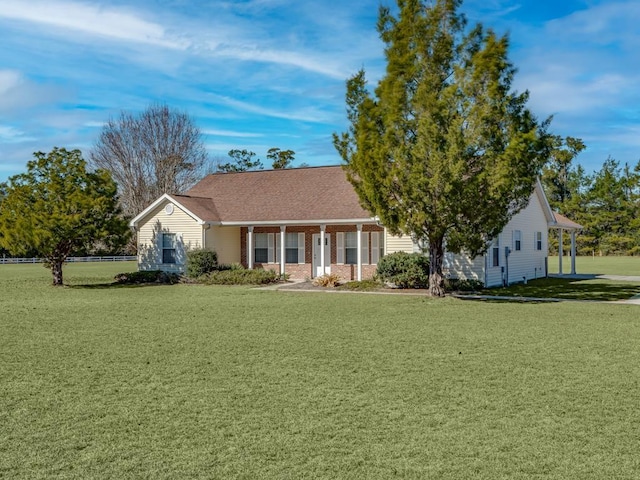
[115,285]
[570,289]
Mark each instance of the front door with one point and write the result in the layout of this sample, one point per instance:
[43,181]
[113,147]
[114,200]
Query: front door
[317,268]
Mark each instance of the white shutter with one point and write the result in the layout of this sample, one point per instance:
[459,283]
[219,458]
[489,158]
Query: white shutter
[300,247]
[375,248]
[277,235]
[340,248]
[365,248]
[270,252]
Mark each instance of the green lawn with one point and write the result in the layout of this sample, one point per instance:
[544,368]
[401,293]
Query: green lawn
[188,381]
[598,265]
[570,289]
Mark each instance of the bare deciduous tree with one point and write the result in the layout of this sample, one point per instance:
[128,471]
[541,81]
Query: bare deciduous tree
[158,151]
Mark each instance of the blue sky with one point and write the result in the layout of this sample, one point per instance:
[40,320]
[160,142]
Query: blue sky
[257,74]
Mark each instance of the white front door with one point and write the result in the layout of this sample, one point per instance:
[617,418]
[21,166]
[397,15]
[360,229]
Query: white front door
[317,268]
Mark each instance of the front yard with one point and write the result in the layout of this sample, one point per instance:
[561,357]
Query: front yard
[190,381]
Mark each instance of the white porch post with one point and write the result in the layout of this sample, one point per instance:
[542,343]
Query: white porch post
[322,240]
[250,248]
[560,251]
[573,252]
[359,228]
[283,249]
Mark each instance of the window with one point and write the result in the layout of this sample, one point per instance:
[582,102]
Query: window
[169,248]
[495,253]
[351,248]
[538,240]
[517,240]
[266,248]
[261,248]
[291,248]
[371,247]
[377,247]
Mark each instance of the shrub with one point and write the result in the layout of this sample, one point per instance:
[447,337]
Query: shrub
[148,276]
[240,277]
[404,270]
[200,262]
[362,285]
[326,280]
[468,285]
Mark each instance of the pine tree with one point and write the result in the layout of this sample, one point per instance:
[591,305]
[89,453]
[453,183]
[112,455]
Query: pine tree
[58,207]
[443,150]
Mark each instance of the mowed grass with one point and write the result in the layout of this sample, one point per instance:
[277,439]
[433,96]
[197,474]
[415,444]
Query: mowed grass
[601,290]
[189,381]
[598,265]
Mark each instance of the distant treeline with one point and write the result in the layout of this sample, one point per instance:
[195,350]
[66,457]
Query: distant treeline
[606,203]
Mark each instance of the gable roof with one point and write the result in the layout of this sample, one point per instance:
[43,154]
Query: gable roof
[289,196]
[285,195]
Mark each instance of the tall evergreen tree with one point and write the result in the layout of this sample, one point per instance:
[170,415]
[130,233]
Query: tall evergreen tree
[58,207]
[557,174]
[444,150]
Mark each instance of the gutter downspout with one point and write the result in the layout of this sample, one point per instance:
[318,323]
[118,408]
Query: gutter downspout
[206,227]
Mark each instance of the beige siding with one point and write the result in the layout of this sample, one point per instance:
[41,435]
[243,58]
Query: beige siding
[463,267]
[402,243]
[226,242]
[188,230]
[529,262]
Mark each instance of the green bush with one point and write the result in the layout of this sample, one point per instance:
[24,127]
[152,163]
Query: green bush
[361,286]
[240,277]
[200,262]
[468,285]
[148,276]
[404,270]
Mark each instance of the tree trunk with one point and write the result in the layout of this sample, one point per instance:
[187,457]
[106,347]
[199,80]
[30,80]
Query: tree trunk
[56,271]
[436,257]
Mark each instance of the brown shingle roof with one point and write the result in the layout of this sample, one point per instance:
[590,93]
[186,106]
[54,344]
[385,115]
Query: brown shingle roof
[204,208]
[297,194]
[564,222]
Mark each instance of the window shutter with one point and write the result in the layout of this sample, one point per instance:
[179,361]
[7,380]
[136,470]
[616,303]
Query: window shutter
[340,248]
[375,248]
[270,249]
[301,248]
[277,235]
[181,251]
[365,248]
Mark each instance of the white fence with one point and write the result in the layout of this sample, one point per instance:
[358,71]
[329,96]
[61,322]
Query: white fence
[116,258]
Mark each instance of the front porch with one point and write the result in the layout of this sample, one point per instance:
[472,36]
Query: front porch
[350,251]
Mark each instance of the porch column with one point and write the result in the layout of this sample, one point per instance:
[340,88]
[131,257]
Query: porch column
[322,259]
[250,248]
[573,252]
[283,249]
[560,251]
[359,228]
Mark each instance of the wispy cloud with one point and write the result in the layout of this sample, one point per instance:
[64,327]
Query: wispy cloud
[92,19]
[230,133]
[19,93]
[310,114]
[9,134]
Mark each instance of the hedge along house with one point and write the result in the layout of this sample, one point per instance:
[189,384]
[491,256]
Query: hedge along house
[278,220]
[270,219]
